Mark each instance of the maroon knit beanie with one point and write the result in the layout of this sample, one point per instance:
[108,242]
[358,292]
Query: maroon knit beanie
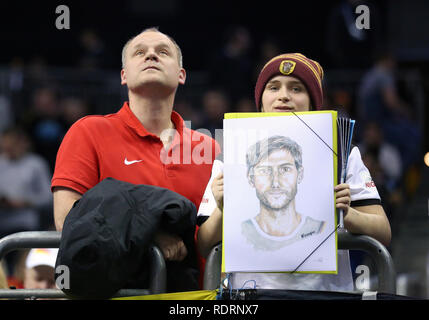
[297,65]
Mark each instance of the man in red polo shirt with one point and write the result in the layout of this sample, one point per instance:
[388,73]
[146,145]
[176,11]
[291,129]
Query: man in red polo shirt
[146,142]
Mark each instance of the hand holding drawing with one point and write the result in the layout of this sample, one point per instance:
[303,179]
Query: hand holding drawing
[342,197]
[217,189]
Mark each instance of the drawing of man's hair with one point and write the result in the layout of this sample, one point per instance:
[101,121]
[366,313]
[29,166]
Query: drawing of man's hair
[264,147]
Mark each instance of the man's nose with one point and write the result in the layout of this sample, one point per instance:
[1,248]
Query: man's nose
[151,55]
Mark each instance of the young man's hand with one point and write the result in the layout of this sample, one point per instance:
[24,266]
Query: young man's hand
[343,198]
[217,189]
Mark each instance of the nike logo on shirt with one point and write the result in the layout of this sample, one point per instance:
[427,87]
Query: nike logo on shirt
[130,162]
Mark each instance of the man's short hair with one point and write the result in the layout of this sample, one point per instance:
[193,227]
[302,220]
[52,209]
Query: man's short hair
[153,29]
[263,148]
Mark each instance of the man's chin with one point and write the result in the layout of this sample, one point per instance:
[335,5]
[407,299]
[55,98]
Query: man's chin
[154,84]
[152,80]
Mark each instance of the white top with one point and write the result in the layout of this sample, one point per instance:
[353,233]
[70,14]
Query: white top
[363,192]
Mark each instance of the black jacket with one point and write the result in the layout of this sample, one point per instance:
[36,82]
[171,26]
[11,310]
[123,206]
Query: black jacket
[107,234]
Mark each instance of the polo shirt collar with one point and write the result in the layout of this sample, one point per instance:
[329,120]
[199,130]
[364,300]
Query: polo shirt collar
[131,120]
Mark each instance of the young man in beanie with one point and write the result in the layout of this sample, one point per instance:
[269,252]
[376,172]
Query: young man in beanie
[293,83]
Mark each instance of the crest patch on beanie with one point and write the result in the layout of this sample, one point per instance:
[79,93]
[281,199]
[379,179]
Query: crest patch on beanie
[287,67]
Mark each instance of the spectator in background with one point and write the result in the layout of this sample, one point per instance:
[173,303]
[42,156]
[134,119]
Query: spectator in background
[40,269]
[37,71]
[189,113]
[16,75]
[24,184]
[232,66]
[94,53]
[42,121]
[346,45]
[384,153]
[15,85]
[341,102]
[7,116]
[384,162]
[72,109]
[244,105]
[269,48]
[215,103]
[379,102]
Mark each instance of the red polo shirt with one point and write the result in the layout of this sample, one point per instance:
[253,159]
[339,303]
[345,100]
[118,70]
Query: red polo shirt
[118,146]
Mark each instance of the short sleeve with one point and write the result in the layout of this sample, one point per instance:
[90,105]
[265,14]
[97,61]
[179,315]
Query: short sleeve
[362,187]
[77,165]
[208,203]
[40,180]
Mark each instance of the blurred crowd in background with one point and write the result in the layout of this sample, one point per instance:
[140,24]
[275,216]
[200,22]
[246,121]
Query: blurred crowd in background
[364,80]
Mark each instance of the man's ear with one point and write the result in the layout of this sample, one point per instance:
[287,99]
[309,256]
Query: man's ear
[123,77]
[300,174]
[182,76]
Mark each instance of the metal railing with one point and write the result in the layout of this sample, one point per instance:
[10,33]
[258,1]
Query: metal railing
[346,241]
[52,239]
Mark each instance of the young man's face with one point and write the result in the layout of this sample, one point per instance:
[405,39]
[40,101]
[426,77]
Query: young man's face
[275,179]
[152,59]
[285,94]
